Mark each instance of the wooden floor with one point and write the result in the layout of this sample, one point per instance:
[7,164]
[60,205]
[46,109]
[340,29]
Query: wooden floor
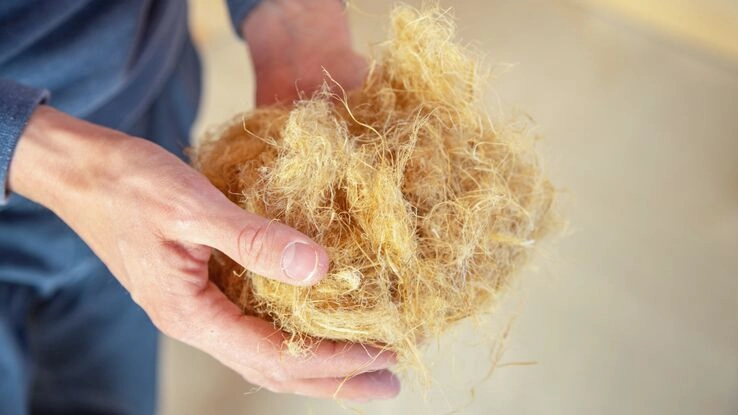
[636,311]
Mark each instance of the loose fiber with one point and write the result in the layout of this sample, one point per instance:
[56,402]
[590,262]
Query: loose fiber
[425,206]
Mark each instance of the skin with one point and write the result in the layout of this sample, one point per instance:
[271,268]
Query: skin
[292,41]
[153,220]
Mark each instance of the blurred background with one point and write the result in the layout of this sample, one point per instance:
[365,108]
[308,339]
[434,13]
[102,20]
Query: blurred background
[636,310]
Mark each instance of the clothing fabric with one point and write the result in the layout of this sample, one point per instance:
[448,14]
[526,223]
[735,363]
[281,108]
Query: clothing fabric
[15,109]
[239,10]
[71,339]
[82,350]
[104,61]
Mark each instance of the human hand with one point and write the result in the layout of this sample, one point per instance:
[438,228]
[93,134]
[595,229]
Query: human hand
[153,221]
[291,42]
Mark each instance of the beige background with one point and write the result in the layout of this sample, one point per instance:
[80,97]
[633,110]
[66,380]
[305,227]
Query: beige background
[636,310]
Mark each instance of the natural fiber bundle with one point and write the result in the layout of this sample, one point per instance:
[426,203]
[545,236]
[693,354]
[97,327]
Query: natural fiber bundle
[425,207]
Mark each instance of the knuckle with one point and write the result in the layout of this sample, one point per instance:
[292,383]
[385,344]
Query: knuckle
[170,320]
[277,375]
[187,262]
[253,243]
[274,380]
[183,206]
[273,385]
[184,215]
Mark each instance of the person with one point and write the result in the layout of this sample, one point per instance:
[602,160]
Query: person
[104,228]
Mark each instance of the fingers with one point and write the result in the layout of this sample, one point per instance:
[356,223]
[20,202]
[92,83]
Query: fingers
[328,359]
[268,248]
[255,349]
[381,384]
[338,359]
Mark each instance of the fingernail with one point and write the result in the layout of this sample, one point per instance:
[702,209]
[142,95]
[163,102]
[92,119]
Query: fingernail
[300,261]
[387,380]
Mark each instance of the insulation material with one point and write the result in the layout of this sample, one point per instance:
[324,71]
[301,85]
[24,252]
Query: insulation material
[425,205]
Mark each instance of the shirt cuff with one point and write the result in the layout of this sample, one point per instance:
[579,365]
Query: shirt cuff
[238,10]
[17,103]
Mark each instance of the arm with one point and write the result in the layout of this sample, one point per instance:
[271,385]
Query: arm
[290,43]
[153,221]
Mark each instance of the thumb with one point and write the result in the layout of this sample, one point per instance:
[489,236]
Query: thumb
[265,247]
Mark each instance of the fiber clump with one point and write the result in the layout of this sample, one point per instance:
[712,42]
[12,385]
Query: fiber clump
[425,206]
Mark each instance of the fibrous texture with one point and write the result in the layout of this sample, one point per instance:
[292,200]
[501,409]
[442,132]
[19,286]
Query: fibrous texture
[425,206]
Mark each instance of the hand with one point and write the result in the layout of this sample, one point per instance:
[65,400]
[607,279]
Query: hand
[291,42]
[153,221]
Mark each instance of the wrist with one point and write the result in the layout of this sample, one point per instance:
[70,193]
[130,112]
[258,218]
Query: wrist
[60,158]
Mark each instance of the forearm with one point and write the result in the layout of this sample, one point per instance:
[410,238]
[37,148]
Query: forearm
[60,158]
[292,42]
[153,221]
[277,31]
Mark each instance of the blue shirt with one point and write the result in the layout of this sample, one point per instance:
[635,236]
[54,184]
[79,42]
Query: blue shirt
[100,60]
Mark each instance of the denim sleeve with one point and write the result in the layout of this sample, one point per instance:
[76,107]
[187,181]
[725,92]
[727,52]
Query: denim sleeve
[17,103]
[238,10]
